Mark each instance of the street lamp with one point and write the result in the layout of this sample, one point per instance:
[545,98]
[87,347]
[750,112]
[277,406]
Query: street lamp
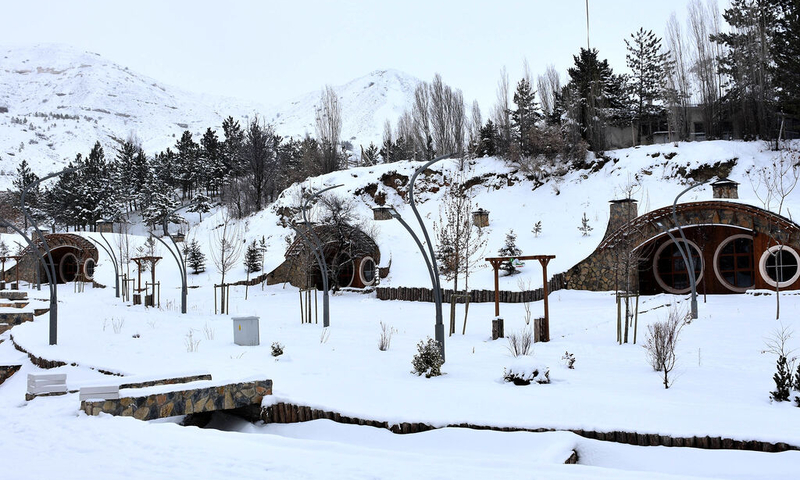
[179,259]
[683,247]
[311,239]
[48,268]
[430,255]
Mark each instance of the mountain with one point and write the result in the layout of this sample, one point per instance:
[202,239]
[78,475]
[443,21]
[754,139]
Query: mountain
[57,101]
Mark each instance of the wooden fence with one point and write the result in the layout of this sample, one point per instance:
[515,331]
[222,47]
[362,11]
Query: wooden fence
[420,294]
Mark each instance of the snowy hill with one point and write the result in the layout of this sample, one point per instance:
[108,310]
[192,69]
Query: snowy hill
[56,101]
[659,173]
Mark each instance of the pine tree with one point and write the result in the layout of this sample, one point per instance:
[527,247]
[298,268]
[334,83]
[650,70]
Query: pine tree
[585,228]
[252,258]
[200,204]
[195,257]
[537,229]
[649,64]
[783,381]
[597,94]
[487,140]
[786,55]
[509,250]
[24,178]
[525,116]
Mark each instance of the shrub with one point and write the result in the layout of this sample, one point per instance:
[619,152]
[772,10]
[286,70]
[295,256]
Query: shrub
[428,361]
[569,360]
[386,337]
[662,338]
[521,343]
[523,372]
[277,349]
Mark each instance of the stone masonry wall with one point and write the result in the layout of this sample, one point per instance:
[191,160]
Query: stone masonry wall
[183,402]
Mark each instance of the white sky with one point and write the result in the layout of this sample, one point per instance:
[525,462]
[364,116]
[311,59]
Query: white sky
[272,51]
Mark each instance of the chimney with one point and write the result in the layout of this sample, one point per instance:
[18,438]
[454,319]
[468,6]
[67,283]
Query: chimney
[621,212]
[480,218]
[725,188]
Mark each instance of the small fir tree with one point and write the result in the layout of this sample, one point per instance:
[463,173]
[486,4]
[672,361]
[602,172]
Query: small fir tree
[537,229]
[783,381]
[195,257]
[510,250]
[200,204]
[252,258]
[585,228]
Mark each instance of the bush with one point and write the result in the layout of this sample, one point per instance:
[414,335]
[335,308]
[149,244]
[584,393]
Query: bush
[662,338]
[569,360]
[386,337]
[428,361]
[521,343]
[277,349]
[523,372]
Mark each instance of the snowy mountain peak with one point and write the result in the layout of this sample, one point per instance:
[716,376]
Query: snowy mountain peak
[57,101]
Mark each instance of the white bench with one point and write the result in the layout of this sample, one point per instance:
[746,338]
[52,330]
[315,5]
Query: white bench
[42,384]
[106,392]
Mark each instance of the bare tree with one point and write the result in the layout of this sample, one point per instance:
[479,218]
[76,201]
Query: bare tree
[502,113]
[662,339]
[772,185]
[420,113]
[678,81]
[227,243]
[329,128]
[475,124]
[702,24]
[549,85]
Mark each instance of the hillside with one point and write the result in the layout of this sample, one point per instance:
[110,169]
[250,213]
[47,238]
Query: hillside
[56,101]
[659,173]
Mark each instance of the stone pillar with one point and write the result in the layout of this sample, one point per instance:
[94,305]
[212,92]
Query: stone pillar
[381,213]
[725,188]
[480,218]
[621,212]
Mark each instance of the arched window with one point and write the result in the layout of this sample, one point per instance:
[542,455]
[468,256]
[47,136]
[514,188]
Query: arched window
[88,268]
[733,263]
[367,271]
[780,266]
[671,271]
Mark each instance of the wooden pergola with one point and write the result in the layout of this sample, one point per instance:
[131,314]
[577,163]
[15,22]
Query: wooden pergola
[543,260]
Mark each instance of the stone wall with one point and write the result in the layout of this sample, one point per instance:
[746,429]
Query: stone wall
[7,370]
[183,402]
[12,319]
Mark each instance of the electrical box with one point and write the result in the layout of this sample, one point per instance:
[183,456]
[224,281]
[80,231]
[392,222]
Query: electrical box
[245,331]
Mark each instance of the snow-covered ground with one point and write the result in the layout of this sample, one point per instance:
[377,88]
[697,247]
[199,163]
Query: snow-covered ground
[721,387]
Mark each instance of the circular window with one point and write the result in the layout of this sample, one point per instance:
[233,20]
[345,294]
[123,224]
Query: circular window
[779,266]
[68,267]
[733,263]
[88,268]
[367,271]
[670,269]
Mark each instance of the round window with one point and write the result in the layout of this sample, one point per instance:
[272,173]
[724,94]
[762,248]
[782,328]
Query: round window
[671,271]
[733,263]
[88,268]
[367,271]
[779,266]
[68,268]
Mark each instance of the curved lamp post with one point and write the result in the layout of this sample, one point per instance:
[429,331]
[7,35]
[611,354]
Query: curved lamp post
[48,268]
[110,252]
[430,255]
[312,240]
[179,259]
[683,247]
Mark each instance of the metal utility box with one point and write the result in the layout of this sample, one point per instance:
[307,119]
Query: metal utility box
[245,331]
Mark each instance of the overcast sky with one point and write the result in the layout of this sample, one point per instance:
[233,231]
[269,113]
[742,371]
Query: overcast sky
[272,51]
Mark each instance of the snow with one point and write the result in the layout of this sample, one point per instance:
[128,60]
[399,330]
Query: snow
[106,102]
[721,381]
